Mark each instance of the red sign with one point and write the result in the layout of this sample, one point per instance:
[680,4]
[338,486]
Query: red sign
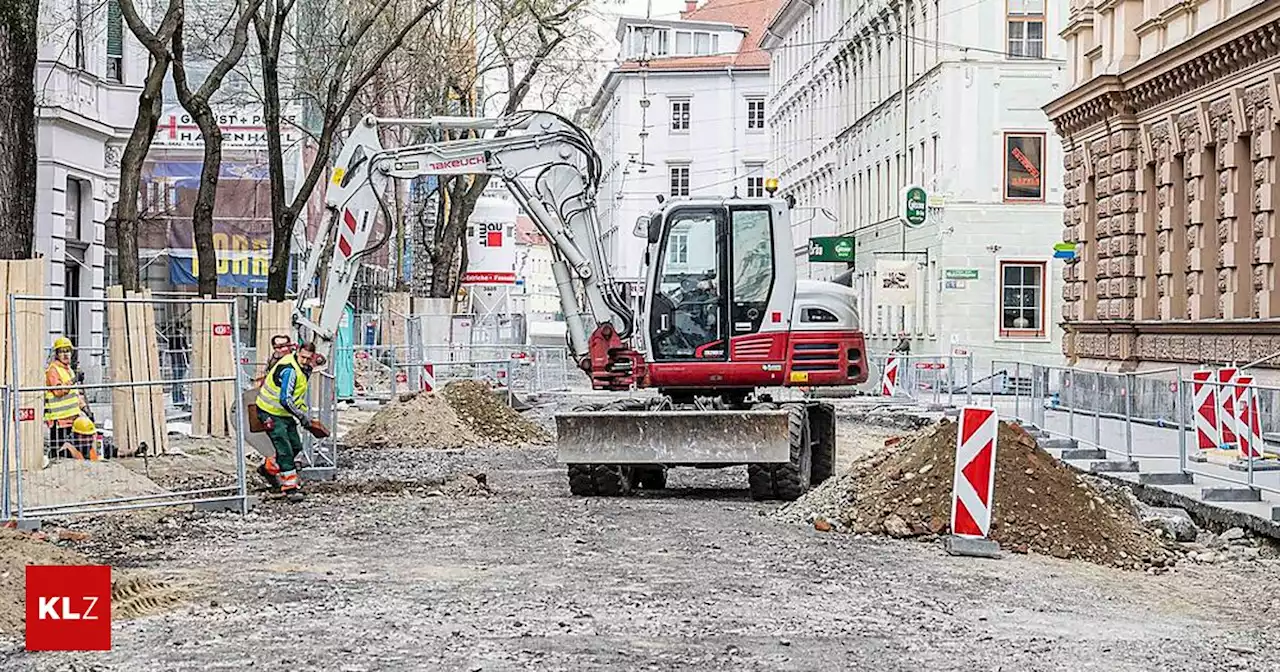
[362,355]
[402,377]
[489,278]
[26,414]
[68,608]
[221,329]
[974,483]
[930,366]
[244,360]
[519,355]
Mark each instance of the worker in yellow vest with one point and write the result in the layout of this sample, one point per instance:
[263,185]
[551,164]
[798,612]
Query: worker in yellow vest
[64,402]
[282,405]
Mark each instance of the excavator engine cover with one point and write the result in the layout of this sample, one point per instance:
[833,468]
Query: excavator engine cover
[673,437]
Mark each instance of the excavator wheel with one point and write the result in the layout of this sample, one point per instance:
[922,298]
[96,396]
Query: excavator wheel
[599,480]
[822,427]
[649,478]
[790,480]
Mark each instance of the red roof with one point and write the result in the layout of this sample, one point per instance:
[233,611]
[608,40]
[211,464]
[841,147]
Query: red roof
[527,233]
[752,16]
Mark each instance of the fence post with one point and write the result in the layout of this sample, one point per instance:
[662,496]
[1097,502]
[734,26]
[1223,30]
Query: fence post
[1097,409]
[1128,417]
[951,380]
[1017,394]
[7,410]
[239,392]
[991,385]
[968,375]
[1180,411]
[1071,402]
[16,402]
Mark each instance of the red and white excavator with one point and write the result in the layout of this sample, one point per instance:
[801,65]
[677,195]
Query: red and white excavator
[723,315]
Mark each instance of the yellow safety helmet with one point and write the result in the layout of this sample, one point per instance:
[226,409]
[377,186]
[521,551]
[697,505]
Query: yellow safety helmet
[84,426]
[62,342]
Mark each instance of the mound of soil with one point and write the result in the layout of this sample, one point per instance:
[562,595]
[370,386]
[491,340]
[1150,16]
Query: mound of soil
[1040,504]
[416,421]
[74,481]
[487,416]
[131,596]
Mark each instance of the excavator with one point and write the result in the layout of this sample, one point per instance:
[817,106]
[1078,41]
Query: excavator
[722,317]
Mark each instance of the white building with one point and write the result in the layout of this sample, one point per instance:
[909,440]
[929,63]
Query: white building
[683,115]
[977,141]
[87,76]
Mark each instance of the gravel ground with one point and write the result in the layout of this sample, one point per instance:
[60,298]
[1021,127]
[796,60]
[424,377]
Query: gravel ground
[695,578]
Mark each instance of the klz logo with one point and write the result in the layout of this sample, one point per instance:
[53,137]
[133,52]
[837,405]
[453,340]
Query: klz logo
[68,608]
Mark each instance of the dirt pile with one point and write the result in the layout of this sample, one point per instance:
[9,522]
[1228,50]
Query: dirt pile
[71,481]
[131,595]
[478,406]
[1040,504]
[416,421]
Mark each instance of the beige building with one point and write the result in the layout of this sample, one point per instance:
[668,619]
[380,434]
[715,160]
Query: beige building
[1172,180]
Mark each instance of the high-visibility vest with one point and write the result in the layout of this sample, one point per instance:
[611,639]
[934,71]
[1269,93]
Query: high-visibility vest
[269,393]
[68,405]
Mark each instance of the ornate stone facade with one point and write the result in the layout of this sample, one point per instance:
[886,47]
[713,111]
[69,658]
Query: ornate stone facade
[1172,186]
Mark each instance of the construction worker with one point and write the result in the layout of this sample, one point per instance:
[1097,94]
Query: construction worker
[282,405]
[86,443]
[64,402]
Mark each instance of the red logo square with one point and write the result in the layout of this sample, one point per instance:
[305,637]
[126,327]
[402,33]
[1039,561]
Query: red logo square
[68,608]
[493,239]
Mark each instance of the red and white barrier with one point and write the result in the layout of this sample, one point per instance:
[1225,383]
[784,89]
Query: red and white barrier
[975,478]
[1248,426]
[1204,401]
[1240,400]
[889,379]
[1227,406]
[428,377]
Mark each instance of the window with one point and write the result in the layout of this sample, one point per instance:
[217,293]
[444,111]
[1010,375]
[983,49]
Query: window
[78,37]
[1026,28]
[679,180]
[1023,166]
[696,44]
[755,180]
[74,216]
[684,43]
[647,41]
[1022,294]
[680,116]
[686,319]
[755,114]
[115,42]
[679,247]
[752,240]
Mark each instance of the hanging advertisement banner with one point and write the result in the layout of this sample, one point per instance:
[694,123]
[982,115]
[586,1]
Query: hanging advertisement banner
[895,283]
[491,250]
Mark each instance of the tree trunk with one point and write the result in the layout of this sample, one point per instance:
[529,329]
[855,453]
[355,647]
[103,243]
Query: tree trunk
[462,202]
[281,218]
[18,48]
[206,196]
[150,107]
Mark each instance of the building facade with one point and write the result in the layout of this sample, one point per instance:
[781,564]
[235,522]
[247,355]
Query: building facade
[975,139]
[683,115]
[87,75]
[1173,186]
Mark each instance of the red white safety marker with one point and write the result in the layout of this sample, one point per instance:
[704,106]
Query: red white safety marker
[1247,425]
[428,377]
[1227,406]
[975,477]
[889,379]
[1204,400]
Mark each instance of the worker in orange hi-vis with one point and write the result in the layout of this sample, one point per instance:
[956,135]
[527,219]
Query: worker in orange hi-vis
[282,407]
[64,402]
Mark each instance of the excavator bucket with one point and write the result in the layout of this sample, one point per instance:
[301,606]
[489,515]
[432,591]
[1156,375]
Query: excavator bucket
[673,437]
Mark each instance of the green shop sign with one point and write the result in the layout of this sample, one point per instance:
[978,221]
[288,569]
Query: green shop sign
[831,248]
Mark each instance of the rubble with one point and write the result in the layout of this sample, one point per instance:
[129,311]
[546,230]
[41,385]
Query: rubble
[476,405]
[415,421]
[1040,505]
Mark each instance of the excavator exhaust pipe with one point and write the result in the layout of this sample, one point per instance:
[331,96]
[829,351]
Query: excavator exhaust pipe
[673,437]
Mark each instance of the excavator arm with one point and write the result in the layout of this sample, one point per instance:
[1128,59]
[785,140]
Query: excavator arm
[549,167]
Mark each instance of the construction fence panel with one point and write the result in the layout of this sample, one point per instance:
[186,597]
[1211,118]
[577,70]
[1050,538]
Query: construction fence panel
[942,380]
[144,450]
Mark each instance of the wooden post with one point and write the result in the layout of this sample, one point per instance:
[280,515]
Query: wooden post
[25,277]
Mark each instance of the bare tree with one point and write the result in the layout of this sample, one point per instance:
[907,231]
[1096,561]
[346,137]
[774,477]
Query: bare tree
[18,47]
[357,58]
[196,103]
[523,36]
[150,107]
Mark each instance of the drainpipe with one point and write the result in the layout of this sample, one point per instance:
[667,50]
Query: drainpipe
[733,105]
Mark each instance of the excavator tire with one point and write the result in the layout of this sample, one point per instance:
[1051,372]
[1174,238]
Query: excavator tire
[790,480]
[599,480]
[649,478]
[822,428]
